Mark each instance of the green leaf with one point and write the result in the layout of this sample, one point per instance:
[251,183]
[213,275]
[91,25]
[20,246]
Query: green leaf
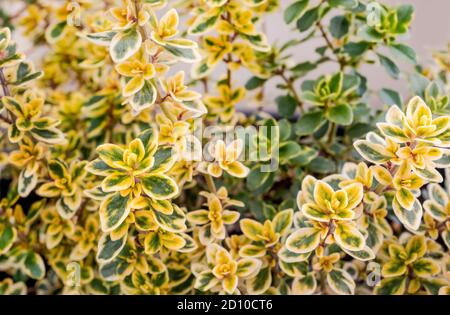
[405,52]
[257,179]
[340,114]
[25,73]
[252,251]
[374,153]
[152,243]
[289,150]
[125,44]
[164,158]
[419,84]
[185,54]
[101,38]
[261,282]
[159,186]
[339,26]
[8,235]
[432,90]
[410,218]
[393,132]
[369,34]
[310,97]
[27,183]
[34,266]
[282,221]
[57,170]
[203,23]
[201,69]
[336,83]
[308,19]
[391,286]
[113,211]
[149,139]
[175,222]
[364,255]
[309,123]
[304,285]
[269,212]
[304,67]
[390,66]
[68,206]
[303,240]
[257,41]
[430,174]
[55,32]
[293,11]
[296,269]
[349,237]
[144,98]
[321,165]
[425,267]
[287,256]
[356,49]
[205,281]
[119,267]
[109,249]
[307,154]
[347,4]
[50,135]
[254,83]
[285,129]
[286,105]
[433,285]
[359,130]
[341,282]
[444,161]
[405,14]
[391,97]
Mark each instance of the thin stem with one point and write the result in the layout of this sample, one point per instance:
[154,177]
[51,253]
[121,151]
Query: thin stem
[4,83]
[229,57]
[210,182]
[291,88]
[331,133]
[205,85]
[325,36]
[6,92]
[6,119]
[330,45]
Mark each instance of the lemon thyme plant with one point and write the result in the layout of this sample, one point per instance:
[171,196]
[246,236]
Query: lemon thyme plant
[138,161]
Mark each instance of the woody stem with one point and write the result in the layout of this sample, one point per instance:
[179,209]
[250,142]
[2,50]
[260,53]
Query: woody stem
[4,83]
[6,92]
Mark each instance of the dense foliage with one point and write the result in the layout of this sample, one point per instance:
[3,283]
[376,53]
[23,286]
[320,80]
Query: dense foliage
[123,173]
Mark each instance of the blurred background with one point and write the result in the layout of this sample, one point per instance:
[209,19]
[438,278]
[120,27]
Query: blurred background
[430,32]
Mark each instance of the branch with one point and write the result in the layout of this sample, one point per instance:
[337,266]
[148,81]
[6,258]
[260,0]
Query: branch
[330,45]
[4,83]
[210,182]
[291,88]
[6,92]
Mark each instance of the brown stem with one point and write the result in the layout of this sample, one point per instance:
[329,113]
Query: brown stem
[330,45]
[6,92]
[325,36]
[331,133]
[291,88]
[4,83]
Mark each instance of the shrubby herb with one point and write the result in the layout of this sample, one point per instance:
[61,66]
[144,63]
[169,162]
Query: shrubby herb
[122,174]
